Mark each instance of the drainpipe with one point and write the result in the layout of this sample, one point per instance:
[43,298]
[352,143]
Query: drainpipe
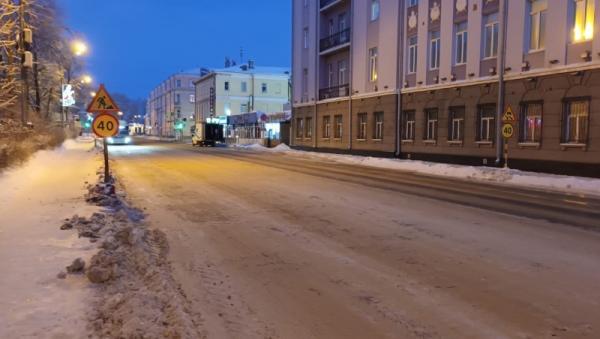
[291,96]
[317,63]
[501,83]
[399,74]
[350,80]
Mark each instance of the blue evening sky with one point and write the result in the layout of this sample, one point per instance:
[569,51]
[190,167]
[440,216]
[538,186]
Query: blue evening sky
[135,44]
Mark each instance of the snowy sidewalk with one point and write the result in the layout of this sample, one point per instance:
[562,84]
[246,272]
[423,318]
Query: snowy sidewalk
[512,177]
[35,199]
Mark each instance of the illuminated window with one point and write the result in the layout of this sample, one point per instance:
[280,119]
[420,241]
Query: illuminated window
[531,122]
[584,20]
[373,64]
[537,24]
[575,122]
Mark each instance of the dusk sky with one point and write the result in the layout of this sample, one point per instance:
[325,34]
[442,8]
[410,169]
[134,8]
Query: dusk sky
[135,44]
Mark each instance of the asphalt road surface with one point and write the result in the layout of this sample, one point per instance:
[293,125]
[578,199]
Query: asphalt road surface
[273,246]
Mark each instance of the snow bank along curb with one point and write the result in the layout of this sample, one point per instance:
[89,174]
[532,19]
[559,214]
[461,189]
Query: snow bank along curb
[567,184]
[136,296]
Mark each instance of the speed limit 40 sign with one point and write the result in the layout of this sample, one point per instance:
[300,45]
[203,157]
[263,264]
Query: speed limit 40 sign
[105,125]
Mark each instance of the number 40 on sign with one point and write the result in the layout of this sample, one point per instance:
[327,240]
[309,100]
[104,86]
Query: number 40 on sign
[105,125]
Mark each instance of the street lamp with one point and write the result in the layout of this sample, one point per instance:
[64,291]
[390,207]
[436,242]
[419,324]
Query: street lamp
[86,79]
[92,94]
[79,47]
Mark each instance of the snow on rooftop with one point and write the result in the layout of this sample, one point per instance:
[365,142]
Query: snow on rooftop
[243,68]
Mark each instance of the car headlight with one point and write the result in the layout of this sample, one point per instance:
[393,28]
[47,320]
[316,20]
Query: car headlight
[110,140]
[127,140]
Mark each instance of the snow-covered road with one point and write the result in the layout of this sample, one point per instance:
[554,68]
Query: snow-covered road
[273,252]
[34,200]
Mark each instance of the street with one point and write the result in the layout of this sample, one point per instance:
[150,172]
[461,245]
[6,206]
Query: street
[270,246]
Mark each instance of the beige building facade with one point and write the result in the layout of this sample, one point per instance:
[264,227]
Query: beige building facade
[432,67]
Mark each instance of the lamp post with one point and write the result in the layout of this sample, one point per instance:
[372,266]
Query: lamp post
[78,48]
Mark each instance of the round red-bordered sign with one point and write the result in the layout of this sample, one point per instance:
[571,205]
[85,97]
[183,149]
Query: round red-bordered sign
[105,125]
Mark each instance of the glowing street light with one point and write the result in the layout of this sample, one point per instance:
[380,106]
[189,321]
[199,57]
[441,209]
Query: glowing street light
[86,79]
[79,47]
[92,94]
[120,113]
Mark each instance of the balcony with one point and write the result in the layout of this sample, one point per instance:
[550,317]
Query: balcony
[325,4]
[335,41]
[334,92]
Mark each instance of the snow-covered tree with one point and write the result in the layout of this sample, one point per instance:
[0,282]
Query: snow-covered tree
[9,59]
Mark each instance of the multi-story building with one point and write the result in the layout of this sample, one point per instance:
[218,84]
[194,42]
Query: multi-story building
[170,106]
[423,79]
[241,89]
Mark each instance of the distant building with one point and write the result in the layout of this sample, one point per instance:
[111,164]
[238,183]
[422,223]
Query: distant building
[241,89]
[419,79]
[170,106]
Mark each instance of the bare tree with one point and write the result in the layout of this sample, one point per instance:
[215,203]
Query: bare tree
[9,67]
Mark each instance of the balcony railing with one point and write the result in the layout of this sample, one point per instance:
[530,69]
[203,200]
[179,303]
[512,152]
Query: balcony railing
[334,92]
[339,38]
[325,3]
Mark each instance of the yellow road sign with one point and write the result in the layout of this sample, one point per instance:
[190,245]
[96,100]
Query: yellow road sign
[509,116]
[508,131]
[102,102]
[105,125]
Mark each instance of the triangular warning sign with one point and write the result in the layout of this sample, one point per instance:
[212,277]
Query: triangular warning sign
[509,115]
[102,102]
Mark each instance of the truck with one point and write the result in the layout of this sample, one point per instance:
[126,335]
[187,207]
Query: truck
[207,134]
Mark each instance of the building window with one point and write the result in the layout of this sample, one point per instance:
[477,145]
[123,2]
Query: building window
[178,83]
[373,64]
[583,25]
[412,54]
[177,99]
[378,126]
[305,84]
[362,126]
[308,128]
[413,3]
[339,127]
[243,108]
[490,36]
[409,125]
[431,124]
[192,98]
[375,10]
[244,87]
[327,127]
[537,24]
[486,131]
[531,122]
[342,72]
[305,37]
[460,44]
[330,78]
[575,122]
[434,50]
[299,127]
[263,88]
[456,124]
[226,86]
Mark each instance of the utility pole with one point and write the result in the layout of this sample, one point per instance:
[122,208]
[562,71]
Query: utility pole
[501,84]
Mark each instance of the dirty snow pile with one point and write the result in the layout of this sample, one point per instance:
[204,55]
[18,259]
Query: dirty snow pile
[137,296]
[563,183]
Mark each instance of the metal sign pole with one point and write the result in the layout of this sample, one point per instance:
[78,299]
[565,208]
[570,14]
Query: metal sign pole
[106,170]
[505,153]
